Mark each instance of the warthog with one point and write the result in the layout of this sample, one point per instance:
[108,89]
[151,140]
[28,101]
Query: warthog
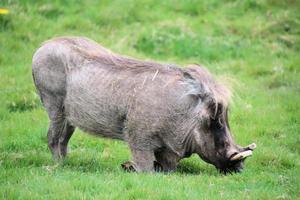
[165,113]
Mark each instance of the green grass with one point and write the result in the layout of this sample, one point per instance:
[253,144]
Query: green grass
[255,44]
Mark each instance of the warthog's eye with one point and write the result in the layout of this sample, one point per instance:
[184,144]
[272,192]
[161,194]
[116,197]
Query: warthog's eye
[217,123]
[220,123]
[217,120]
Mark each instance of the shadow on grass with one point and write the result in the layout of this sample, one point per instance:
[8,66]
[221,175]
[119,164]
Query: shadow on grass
[189,168]
[88,164]
[114,165]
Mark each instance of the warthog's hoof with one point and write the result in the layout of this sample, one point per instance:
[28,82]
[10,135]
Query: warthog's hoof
[128,166]
[157,166]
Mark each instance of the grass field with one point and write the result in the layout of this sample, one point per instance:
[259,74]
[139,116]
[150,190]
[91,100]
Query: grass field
[255,44]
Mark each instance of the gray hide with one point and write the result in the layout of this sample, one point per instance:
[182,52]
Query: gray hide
[165,113]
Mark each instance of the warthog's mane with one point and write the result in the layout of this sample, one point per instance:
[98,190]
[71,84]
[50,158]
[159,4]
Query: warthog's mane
[93,51]
[214,90]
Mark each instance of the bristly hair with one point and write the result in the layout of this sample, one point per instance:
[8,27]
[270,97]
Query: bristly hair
[90,50]
[93,51]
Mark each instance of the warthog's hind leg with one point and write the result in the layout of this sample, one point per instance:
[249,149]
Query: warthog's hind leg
[60,131]
[59,134]
[56,128]
[65,137]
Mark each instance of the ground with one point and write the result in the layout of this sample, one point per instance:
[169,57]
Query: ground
[254,44]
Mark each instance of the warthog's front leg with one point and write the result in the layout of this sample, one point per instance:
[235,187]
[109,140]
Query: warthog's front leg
[167,160]
[129,166]
[142,161]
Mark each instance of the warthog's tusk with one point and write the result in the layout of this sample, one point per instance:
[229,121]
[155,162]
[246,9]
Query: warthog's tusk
[251,146]
[242,155]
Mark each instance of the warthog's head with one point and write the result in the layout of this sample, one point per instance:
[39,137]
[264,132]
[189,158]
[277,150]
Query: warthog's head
[216,145]
[213,139]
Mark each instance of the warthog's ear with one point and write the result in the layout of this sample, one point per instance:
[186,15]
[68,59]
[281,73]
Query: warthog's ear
[198,72]
[197,90]
[202,91]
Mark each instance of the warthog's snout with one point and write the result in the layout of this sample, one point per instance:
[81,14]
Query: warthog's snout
[236,160]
